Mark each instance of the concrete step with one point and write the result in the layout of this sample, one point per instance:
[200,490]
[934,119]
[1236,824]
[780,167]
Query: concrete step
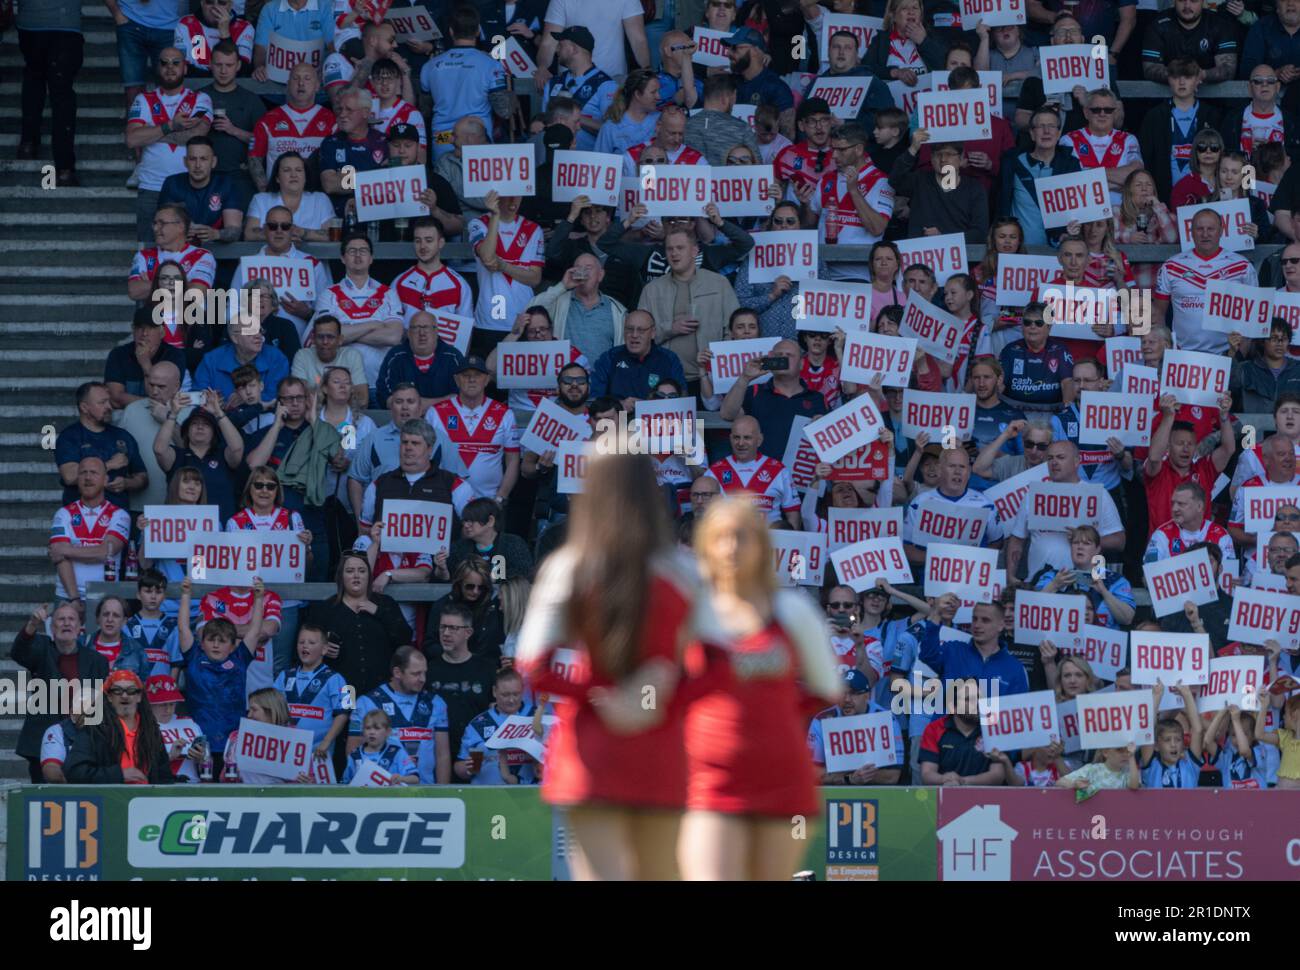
[12,58]
[106,146]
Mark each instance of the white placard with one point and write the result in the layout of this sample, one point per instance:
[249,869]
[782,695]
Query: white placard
[597,175]
[1020,277]
[517,61]
[846,95]
[955,116]
[938,520]
[1195,378]
[1233,215]
[516,733]
[863,28]
[171,528]
[235,558]
[1105,649]
[454,330]
[413,23]
[790,252]
[743,190]
[945,254]
[676,190]
[1258,615]
[1049,616]
[966,571]
[1072,311]
[1010,722]
[668,427]
[937,332]
[1007,496]
[531,363]
[1236,308]
[411,526]
[551,426]
[1067,715]
[824,305]
[731,356]
[966,611]
[848,526]
[1083,196]
[1169,657]
[1141,380]
[571,466]
[371,775]
[1232,680]
[1056,506]
[801,459]
[1259,504]
[1067,66]
[629,198]
[294,278]
[1287,306]
[1173,581]
[268,749]
[869,354]
[1105,414]
[283,54]
[709,49]
[855,742]
[859,566]
[1116,719]
[1121,351]
[798,558]
[994,13]
[905,97]
[990,84]
[507,170]
[846,429]
[934,412]
[390,193]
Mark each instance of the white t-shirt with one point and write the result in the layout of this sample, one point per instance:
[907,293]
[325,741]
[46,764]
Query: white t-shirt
[1182,280]
[605,21]
[314,210]
[1053,548]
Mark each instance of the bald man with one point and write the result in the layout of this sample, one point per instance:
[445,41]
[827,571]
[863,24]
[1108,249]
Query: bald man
[764,479]
[86,533]
[143,417]
[775,403]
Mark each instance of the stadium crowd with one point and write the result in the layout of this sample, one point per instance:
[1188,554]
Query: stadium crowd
[263,415]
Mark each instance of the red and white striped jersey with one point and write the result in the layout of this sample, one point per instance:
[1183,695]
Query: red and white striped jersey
[280,520]
[765,478]
[200,265]
[401,113]
[153,108]
[444,290]
[474,441]
[89,525]
[285,129]
[518,242]
[1114,149]
[1182,280]
[1171,540]
[840,222]
[199,54]
[685,155]
[1258,129]
[1238,516]
[355,304]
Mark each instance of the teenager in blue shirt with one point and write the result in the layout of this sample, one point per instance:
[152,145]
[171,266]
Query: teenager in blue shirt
[317,696]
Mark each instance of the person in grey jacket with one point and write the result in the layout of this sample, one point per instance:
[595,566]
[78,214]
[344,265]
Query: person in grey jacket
[714,130]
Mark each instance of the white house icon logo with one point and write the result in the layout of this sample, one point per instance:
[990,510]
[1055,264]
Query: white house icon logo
[976,846]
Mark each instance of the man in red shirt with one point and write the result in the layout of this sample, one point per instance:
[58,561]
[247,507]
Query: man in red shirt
[1170,461]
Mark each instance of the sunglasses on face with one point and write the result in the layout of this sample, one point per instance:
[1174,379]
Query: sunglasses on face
[841,604]
[1270,79]
[125,691]
[264,486]
[1029,322]
[1290,260]
[573,381]
[1103,110]
[279,226]
[1037,445]
[1209,148]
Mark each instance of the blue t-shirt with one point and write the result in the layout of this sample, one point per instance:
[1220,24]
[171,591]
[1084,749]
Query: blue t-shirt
[215,689]
[159,638]
[989,423]
[157,14]
[669,86]
[1183,773]
[392,759]
[76,442]
[593,91]
[617,137]
[460,81]
[204,205]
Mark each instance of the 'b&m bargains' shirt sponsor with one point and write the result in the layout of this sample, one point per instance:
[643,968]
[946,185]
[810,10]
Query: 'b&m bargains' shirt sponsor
[416,719]
[285,129]
[153,108]
[315,697]
[474,441]
[370,302]
[767,479]
[89,525]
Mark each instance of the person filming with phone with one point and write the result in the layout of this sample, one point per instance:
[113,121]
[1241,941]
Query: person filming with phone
[777,402]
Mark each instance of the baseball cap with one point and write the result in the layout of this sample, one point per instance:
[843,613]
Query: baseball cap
[162,690]
[746,35]
[399,132]
[857,682]
[473,363]
[812,106]
[580,36]
[557,136]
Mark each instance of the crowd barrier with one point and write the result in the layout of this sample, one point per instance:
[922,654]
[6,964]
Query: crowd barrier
[84,833]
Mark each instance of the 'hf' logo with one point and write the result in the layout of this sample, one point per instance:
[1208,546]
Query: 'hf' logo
[63,839]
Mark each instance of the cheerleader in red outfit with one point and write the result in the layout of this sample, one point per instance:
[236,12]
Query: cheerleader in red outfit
[620,594]
[747,718]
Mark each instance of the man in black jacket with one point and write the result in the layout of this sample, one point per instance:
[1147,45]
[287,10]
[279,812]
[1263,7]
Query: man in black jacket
[1169,129]
[62,658]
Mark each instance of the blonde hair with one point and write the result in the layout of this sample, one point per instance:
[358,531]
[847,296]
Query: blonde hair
[1128,210]
[272,701]
[513,594]
[892,8]
[737,513]
[377,716]
[1084,667]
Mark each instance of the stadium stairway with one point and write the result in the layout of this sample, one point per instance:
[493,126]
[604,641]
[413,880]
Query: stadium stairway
[63,305]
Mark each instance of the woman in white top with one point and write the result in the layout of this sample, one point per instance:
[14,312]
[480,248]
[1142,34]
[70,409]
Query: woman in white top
[312,211]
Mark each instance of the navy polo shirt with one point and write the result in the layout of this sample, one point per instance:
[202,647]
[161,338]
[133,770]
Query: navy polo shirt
[775,413]
[435,380]
[206,204]
[945,745]
[76,442]
[365,156]
[619,373]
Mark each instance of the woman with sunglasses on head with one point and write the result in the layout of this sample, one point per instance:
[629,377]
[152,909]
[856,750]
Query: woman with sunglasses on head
[471,589]
[126,747]
[312,211]
[1201,183]
[773,302]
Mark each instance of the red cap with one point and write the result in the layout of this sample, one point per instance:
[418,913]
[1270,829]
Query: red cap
[162,690]
[119,676]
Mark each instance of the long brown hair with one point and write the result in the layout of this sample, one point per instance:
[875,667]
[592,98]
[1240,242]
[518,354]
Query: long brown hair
[149,748]
[636,82]
[179,478]
[989,266]
[617,525]
[262,473]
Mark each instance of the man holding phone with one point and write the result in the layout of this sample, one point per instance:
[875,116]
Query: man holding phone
[775,403]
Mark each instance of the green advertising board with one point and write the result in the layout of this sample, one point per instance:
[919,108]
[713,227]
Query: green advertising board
[69,832]
[885,834]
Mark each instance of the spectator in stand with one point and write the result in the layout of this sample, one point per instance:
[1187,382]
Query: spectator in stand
[376,746]
[714,130]
[303,20]
[766,300]
[392,111]
[125,746]
[145,32]
[756,82]
[1019,193]
[310,213]
[848,211]
[590,88]
[607,26]
[266,705]
[941,202]
[808,159]
[159,122]
[481,538]
[107,639]
[300,125]
[216,369]
[1174,126]
[1142,218]
[1114,22]
[403,150]
[903,49]
[215,453]
[1102,145]
[1037,364]
[450,167]
[259,307]
[199,35]
[366,626]
[632,114]
[670,130]
[1189,527]
[235,111]
[844,62]
[534,324]
[142,418]
[1263,369]
[1172,459]
[1279,459]
[765,480]
[1262,122]
[507,701]
[1275,39]
[185,487]
[1003,323]
[1035,438]
[1174,761]
[52,44]
[171,227]
[460,678]
[1014,59]
[369,311]
[1232,173]
[591,320]
[431,284]
[47,658]
[419,716]
[775,403]
[464,81]
[357,56]
[981,161]
[477,436]
[508,250]
[1181,283]
[355,144]
[128,364]
[1201,182]
[952,748]
[215,208]
[677,81]
[279,232]
[1108,592]
[91,435]
[379,452]
[421,359]
[953,489]
[1189,33]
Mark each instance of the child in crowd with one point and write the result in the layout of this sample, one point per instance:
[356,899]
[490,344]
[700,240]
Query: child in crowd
[151,629]
[178,733]
[1174,761]
[250,413]
[888,139]
[1242,761]
[1285,738]
[375,746]
[1115,768]
[1037,767]
[319,700]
